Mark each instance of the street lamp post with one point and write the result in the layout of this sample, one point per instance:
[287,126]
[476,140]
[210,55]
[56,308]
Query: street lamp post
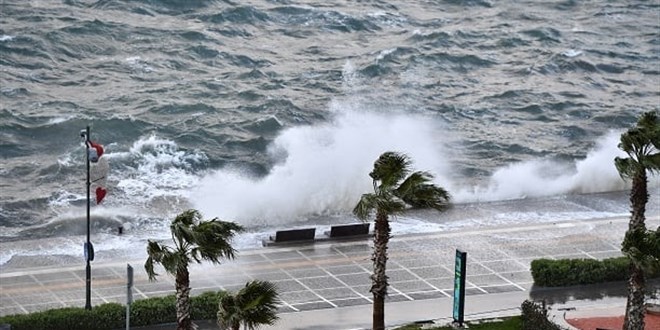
[88,249]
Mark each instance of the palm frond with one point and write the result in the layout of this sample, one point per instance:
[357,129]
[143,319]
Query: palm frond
[213,240]
[364,207]
[626,167]
[390,168]
[258,301]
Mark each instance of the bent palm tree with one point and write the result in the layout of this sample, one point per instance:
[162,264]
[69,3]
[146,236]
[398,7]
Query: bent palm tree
[394,189]
[194,240]
[642,144]
[252,306]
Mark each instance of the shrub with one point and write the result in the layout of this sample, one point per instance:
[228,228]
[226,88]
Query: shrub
[566,272]
[535,317]
[205,306]
[144,312]
[153,311]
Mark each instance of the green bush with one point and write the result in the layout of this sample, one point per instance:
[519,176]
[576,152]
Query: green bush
[153,311]
[567,272]
[205,306]
[106,316]
[144,312]
[535,317]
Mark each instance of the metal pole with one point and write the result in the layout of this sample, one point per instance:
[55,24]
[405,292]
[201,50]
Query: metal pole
[88,270]
[129,294]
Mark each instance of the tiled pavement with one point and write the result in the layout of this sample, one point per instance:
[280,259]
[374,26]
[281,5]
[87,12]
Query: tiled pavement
[332,275]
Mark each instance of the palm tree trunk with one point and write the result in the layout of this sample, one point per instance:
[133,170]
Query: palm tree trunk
[183,320]
[379,279]
[634,318]
[639,196]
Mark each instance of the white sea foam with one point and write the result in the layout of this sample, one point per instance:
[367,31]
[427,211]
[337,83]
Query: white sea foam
[572,53]
[5,37]
[544,177]
[323,170]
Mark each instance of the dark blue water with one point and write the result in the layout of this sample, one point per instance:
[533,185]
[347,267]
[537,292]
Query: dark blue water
[272,112]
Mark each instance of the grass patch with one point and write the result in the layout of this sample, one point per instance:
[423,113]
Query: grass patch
[507,323]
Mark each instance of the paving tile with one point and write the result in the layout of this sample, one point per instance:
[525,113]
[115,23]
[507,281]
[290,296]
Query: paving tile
[470,292]
[317,251]
[288,286]
[285,309]
[505,266]
[517,277]
[395,298]
[490,279]
[55,276]
[297,297]
[476,269]
[354,249]
[442,283]
[313,306]
[272,276]
[431,272]
[307,272]
[411,286]
[414,263]
[400,275]
[17,280]
[345,269]
[282,255]
[355,279]
[351,302]
[231,280]
[337,293]
[318,283]
[501,288]
[426,295]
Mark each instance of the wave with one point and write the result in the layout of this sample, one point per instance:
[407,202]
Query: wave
[322,169]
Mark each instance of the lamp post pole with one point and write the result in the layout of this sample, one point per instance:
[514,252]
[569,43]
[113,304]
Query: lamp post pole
[88,245]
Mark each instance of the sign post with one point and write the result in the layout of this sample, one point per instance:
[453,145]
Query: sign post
[129,294]
[459,287]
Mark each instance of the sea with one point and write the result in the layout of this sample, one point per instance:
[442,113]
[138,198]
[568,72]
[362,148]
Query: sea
[270,113]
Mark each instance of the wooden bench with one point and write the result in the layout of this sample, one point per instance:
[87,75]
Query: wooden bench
[352,230]
[292,236]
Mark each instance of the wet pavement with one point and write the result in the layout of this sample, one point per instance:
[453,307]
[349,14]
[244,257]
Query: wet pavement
[326,284]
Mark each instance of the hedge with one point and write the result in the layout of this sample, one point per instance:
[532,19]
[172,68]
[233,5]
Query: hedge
[109,316]
[567,272]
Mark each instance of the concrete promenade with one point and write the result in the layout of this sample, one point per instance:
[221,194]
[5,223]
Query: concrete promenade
[326,285]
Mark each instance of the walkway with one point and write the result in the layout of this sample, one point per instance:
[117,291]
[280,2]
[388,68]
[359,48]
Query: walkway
[330,276]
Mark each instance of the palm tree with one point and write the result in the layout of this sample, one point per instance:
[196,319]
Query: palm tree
[194,240]
[642,144]
[394,189]
[252,306]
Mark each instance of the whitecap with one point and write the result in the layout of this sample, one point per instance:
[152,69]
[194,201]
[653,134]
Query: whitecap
[5,37]
[571,53]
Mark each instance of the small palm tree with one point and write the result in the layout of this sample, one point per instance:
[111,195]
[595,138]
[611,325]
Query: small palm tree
[194,240]
[394,189]
[252,306]
[642,144]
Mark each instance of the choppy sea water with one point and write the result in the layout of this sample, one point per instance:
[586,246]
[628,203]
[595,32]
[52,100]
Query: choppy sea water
[271,113]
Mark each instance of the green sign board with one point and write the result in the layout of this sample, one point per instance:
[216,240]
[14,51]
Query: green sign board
[459,286]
